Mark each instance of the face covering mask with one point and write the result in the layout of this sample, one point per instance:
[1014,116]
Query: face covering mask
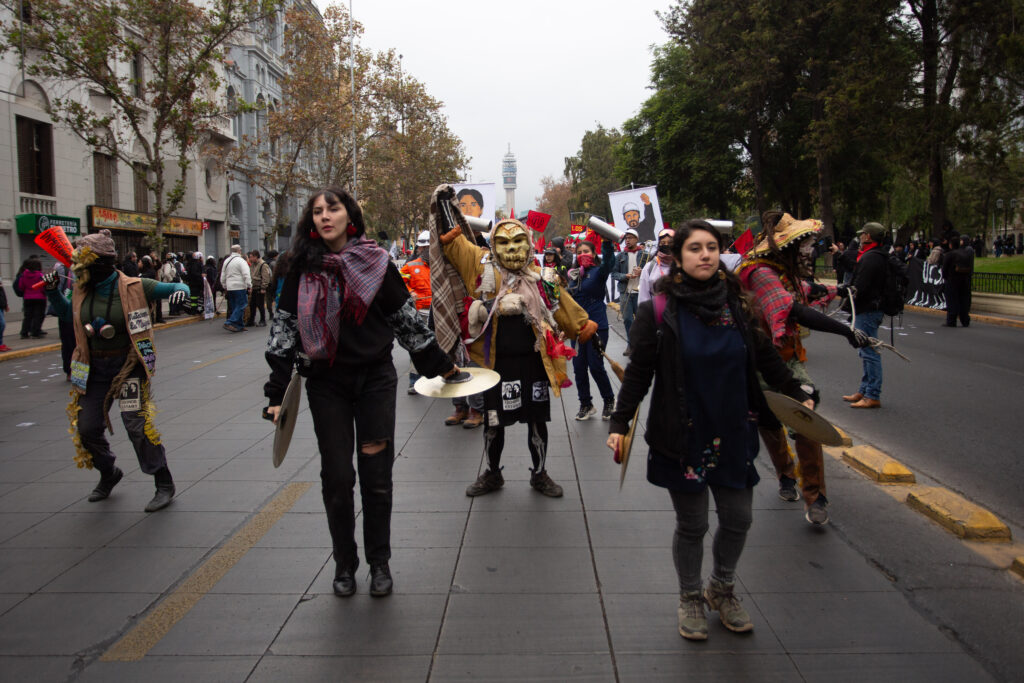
[98,272]
[664,248]
[585,260]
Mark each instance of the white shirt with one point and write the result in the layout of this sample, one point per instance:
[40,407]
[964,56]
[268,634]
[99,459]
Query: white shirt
[652,272]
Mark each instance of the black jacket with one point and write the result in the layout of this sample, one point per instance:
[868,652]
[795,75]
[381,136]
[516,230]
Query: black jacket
[869,278]
[656,355]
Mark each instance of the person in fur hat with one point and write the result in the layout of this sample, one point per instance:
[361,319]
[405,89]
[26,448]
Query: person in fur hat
[516,323]
[114,358]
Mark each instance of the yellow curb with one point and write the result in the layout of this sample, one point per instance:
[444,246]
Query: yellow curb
[982,317]
[847,441]
[35,350]
[872,462]
[958,515]
[1018,566]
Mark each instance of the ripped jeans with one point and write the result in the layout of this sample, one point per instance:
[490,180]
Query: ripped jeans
[349,404]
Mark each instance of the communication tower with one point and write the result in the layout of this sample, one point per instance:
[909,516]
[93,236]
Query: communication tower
[508,174]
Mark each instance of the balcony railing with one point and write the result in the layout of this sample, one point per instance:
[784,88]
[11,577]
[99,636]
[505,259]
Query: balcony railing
[35,203]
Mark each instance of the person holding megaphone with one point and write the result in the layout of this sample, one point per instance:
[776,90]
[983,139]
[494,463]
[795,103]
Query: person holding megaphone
[114,358]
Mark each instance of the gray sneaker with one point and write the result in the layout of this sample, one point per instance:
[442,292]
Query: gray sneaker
[693,622]
[720,597]
[489,481]
[817,512]
[787,489]
[540,481]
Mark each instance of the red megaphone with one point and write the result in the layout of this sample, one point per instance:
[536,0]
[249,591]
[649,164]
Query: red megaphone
[55,243]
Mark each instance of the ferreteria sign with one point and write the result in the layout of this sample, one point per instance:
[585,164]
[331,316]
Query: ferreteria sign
[116,219]
[35,223]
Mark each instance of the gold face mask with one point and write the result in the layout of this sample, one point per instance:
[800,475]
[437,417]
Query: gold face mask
[81,259]
[511,244]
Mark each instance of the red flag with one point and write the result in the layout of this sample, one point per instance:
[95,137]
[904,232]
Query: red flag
[744,242]
[595,239]
[539,246]
[537,221]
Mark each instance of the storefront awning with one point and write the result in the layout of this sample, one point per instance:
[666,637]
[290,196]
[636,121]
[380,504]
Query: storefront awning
[35,223]
[116,219]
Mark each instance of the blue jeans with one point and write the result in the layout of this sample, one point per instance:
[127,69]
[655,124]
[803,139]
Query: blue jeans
[589,361]
[629,304]
[237,301]
[3,326]
[871,382]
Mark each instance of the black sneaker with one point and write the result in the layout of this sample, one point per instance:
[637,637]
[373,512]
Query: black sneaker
[380,580]
[787,489]
[586,410]
[540,481]
[489,481]
[609,408]
[106,485]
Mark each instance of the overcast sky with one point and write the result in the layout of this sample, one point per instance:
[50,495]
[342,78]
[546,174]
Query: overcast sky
[532,74]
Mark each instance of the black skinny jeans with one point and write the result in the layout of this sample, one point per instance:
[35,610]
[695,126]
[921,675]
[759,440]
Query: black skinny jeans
[349,406]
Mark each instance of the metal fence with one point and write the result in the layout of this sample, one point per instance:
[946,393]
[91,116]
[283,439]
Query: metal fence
[998,283]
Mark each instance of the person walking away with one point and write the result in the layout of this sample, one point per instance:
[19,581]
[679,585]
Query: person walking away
[342,306]
[4,309]
[416,274]
[34,299]
[957,271]
[698,341]
[236,279]
[114,359]
[261,275]
[869,280]
[587,287]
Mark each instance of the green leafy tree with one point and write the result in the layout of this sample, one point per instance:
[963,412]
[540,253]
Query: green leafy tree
[591,171]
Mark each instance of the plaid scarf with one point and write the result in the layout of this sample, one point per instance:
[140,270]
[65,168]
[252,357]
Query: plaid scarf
[355,273]
[447,288]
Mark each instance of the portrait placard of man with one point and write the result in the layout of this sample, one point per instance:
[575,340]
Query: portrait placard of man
[638,209]
[476,199]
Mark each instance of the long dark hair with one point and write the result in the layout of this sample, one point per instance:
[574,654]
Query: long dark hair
[308,253]
[675,274]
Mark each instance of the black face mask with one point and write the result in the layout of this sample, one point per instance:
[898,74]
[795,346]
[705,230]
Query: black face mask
[98,272]
[664,248]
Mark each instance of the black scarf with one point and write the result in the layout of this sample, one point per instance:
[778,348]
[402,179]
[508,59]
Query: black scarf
[704,298]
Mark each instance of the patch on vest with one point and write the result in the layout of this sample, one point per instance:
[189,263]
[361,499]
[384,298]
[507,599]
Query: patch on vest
[540,391]
[145,347]
[512,395]
[79,374]
[130,399]
[138,321]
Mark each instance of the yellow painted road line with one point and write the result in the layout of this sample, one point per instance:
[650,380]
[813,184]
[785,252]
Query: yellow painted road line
[141,639]
[217,360]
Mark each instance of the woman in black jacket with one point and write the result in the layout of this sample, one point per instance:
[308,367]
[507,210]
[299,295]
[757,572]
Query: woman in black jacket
[697,339]
[342,305]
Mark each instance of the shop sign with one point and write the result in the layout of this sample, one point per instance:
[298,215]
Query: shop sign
[115,219]
[35,223]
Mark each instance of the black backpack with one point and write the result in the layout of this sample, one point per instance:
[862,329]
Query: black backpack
[894,291]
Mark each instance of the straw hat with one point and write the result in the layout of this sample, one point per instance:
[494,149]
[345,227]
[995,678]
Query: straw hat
[787,231]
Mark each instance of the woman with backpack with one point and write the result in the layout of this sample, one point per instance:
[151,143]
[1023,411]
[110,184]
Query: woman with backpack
[34,298]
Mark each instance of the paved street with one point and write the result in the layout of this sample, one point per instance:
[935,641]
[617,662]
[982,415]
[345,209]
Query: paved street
[233,581]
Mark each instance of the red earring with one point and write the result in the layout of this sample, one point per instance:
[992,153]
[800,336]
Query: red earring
[314,235]
[350,230]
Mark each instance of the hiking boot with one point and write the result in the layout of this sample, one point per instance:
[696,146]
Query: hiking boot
[693,622]
[164,490]
[586,410]
[106,485]
[490,480]
[380,580]
[817,512]
[609,408]
[787,489]
[720,597]
[457,418]
[540,481]
[475,419]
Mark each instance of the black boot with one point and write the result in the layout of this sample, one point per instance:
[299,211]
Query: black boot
[345,583]
[106,485]
[380,580]
[164,490]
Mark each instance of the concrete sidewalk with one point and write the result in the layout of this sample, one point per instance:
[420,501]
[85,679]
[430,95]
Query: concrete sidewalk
[510,586]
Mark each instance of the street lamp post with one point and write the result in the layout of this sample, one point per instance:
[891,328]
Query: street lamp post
[999,207]
[1013,206]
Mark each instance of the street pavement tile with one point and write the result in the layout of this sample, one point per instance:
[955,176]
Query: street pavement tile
[41,497]
[455,444]
[787,528]
[248,467]
[385,669]
[521,570]
[866,623]
[905,667]
[226,496]
[637,529]
[832,567]
[24,471]
[648,624]
[691,666]
[75,530]
[298,530]
[419,468]
[228,625]
[634,495]
[415,571]
[362,625]
[270,571]
[247,432]
[596,667]
[427,529]
[38,669]
[517,495]
[13,523]
[210,446]
[525,623]
[128,496]
[526,529]
[13,447]
[430,497]
[171,670]
[184,469]
[591,467]
[638,570]
[67,472]
[8,601]
[313,501]
[173,528]
[54,624]
[127,570]
[26,570]
[7,488]
[517,468]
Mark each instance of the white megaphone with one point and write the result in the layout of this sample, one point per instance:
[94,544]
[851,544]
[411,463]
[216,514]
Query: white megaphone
[605,230]
[477,224]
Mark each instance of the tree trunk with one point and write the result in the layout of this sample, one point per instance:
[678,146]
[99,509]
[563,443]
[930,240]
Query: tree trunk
[756,166]
[930,39]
